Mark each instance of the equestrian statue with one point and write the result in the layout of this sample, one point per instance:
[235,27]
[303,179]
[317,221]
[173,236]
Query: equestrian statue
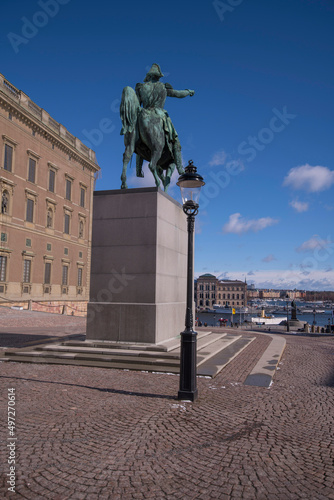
[148,130]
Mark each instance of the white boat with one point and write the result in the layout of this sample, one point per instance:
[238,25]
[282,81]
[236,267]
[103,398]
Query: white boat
[268,320]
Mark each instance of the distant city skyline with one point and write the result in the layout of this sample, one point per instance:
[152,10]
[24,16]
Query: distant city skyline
[259,127]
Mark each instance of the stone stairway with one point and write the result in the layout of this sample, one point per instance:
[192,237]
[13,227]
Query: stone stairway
[214,351]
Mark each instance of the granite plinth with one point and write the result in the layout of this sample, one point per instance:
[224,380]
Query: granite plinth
[139,265]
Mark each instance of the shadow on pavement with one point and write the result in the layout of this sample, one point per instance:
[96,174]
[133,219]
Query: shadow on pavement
[24,340]
[111,391]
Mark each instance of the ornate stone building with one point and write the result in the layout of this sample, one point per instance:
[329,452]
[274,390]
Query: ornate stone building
[46,193]
[209,290]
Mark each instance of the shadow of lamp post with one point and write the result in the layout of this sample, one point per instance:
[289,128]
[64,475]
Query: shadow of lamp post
[190,184]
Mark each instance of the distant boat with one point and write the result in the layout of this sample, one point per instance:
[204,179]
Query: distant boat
[268,320]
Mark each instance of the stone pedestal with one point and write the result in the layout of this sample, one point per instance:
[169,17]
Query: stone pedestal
[139,266]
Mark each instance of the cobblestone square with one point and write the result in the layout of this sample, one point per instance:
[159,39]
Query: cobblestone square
[92,433]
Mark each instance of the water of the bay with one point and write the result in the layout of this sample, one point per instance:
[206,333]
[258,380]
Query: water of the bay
[212,319]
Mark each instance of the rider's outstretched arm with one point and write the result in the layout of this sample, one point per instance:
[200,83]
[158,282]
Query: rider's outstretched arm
[178,93]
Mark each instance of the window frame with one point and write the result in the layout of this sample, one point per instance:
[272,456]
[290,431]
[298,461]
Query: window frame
[26,261]
[7,141]
[32,157]
[30,202]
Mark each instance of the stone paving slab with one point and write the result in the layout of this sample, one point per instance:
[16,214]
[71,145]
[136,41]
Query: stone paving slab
[264,371]
[212,366]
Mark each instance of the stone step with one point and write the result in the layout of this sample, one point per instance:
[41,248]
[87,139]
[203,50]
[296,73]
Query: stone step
[213,365]
[214,351]
[213,348]
[117,345]
[174,343]
[65,348]
[99,364]
[88,356]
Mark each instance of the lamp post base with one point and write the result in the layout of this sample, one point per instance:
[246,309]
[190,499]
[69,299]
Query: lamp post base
[188,366]
[188,395]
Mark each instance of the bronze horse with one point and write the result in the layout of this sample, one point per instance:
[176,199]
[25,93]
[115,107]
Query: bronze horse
[148,130]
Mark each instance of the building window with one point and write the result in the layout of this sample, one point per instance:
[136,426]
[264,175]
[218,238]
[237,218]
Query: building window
[26,271]
[10,116]
[47,273]
[80,255]
[8,162]
[3,237]
[32,170]
[3,267]
[64,280]
[79,276]
[68,193]
[82,197]
[30,210]
[65,251]
[67,224]
[28,242]
[48,247]
[52,178]
[33,133]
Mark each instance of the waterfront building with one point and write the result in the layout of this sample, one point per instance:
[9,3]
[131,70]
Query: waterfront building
[269,294]
[46,193]
[210,291]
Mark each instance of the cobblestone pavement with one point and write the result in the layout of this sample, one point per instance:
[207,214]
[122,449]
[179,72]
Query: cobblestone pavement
[90,433]
[24,328]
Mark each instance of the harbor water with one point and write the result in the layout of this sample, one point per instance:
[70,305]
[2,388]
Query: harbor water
[212,318]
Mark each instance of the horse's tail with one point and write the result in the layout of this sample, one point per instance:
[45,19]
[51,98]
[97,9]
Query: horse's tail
[129,110]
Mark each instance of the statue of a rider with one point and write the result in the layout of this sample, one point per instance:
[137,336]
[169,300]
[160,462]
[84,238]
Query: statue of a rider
[151,96]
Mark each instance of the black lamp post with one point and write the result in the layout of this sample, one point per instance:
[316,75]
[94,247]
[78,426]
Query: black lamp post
[190,184]
[287,313]
[314,321]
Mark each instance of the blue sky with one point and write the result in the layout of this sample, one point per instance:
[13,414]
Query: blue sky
[259,127]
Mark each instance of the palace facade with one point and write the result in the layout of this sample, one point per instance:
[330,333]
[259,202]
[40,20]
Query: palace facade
[46,192]
[210,290]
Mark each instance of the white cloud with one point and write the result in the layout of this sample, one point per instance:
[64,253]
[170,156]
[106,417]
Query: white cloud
[309,178]
[316,279]
[314,243]
[269,258]
[218,159]
[299,206]
[238,225]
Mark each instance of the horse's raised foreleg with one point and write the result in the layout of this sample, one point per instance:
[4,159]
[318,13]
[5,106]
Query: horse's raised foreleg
[129,141]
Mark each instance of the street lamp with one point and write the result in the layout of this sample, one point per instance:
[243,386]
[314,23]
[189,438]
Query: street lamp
[314,313]
[287,312]
[190,184]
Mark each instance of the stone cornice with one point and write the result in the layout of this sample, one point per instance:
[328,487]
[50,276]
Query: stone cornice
[63,143]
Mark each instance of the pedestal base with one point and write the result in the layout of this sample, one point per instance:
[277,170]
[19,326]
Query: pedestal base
[139,265]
